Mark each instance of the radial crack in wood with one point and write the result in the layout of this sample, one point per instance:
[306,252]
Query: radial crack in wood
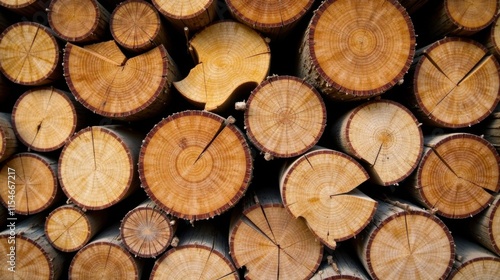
[320,187]
[230,55]
[109,84]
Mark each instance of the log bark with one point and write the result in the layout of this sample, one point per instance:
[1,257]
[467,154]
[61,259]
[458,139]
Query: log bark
[270,243]
[491,130]
[371,54]
[405,242]
[8,140]
[195,164]
[109,84]
[78,21]
[484,228]
[35,181]
[29,54]
[456,175]
[341,265]
[273,18]
[33,255]
[105,258]
[230,55]
[474,262]
[453,76]
[320,187]
[202,253]
[195,16]
[284,116]
[458,18]
[146,231]
[136,25]
[98,166]
[45,118]
[413,6]
[24,7]
[385,136]
[68,228]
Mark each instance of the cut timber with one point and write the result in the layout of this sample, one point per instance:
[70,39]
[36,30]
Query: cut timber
[193,14]
[459,17]
[412,6]
[474,262]
[320,187]
[98,166]
[146,231]
[109,84]
[68,228]
[45,118]
[105,258]
[341,266]
[373,49]
[230,55]
[33,257]
[455,174]
[491,129]
[29,54]
[484,228]
[493,40]
[35,181]
[456,83]
[195,164]
[136,26]
[405,243]
[284,116]
[8,140]
[270,243]
[202,253]
[24,7]
[274,18]
[78,20]
[385,136]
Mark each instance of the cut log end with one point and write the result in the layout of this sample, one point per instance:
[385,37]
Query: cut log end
[192,151]
[146,231]
[24,7]
[8,139]
[371,54]
[196,15]
[285,116]
[330,204]
[456,174]
[68,229]
[230,55]
[471,16]
[44,119]
[474,262]
[29,54]
[456,75]
[34,180]
[386,136]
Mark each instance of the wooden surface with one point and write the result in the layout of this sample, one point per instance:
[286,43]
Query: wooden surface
[8,139]
[194,14]
[24,7]
[341,265]
[474,262]
[484,228]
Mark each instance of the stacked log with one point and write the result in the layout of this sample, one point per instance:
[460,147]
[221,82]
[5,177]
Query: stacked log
[24,7]
[474,262]
[194,16]
[485,227]
[341,265]
[8,140]
[492,41]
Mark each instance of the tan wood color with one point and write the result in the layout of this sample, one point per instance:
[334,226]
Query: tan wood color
[456,175]
[202,253]
[68,228]
[24,7]
[229,55]
[320,187]
[474,262]
[34,257]
[485,227]
[78,20]
[284,116]
[193,14]
[106,82]
[493,41]
[29,54]
[35,180]
[105,258]
[8,139]
[195,165]
[385,136]
[274,18]
[136,26]
[405,242]
[146,231]
[270,243]
[453,76]
[45,118]
[97,168]
[373,49]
